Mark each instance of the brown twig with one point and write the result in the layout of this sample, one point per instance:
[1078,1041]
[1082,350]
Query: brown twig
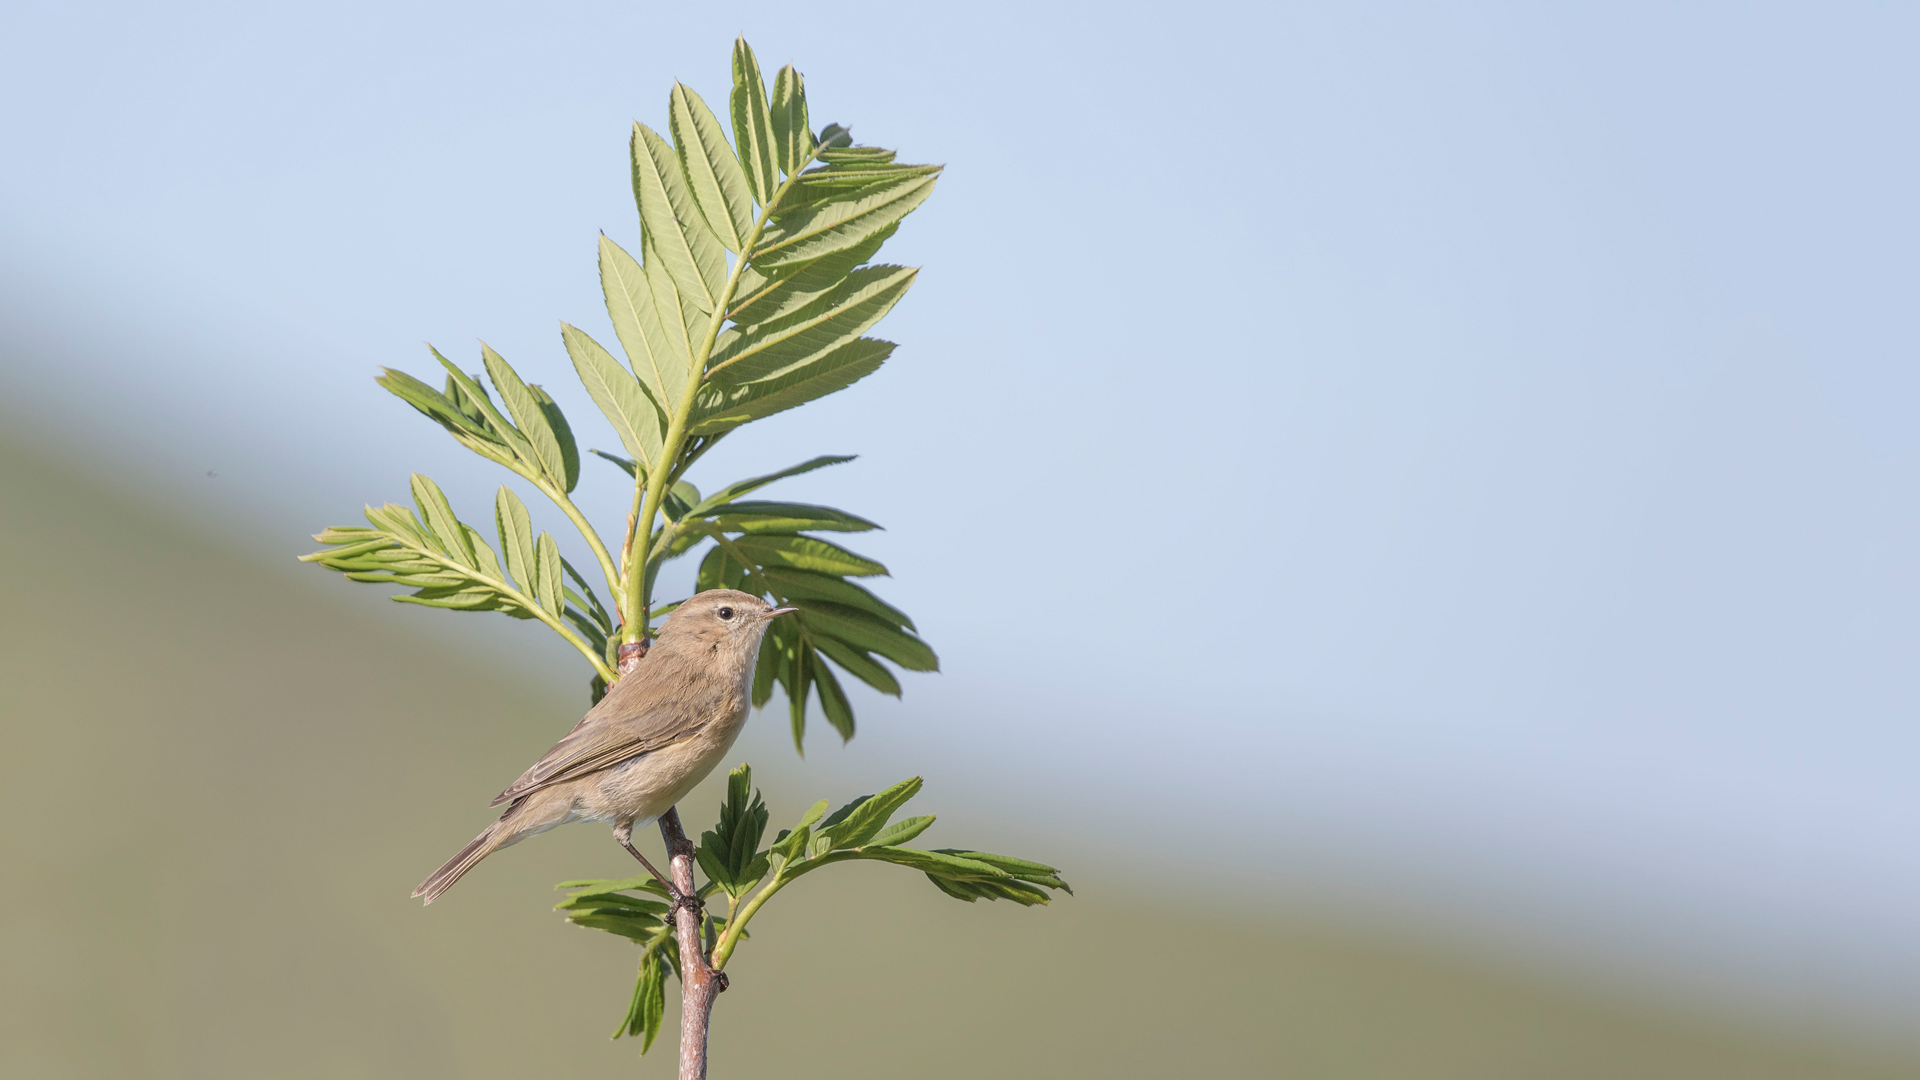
[699,983]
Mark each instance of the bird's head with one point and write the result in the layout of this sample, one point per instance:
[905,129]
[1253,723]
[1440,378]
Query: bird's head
[722,620]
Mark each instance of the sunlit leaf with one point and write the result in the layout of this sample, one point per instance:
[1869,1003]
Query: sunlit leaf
[775,347]
[661,361]
[546,574]
[713,172]
[762,299]
[618,395]
[671,221]
[440,519]
[752,125]
[834,224]
[743,487]
[562,433]
[792,137]
[528,416]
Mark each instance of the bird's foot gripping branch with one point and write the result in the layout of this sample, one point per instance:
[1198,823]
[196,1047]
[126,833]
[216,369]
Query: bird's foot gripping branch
[747,876]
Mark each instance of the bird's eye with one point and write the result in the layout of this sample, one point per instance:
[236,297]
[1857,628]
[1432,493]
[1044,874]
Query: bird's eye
[725,613]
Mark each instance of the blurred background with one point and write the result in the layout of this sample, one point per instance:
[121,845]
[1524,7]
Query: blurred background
[1419,509]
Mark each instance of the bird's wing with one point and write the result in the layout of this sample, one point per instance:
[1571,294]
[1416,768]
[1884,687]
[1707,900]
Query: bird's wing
[606,740]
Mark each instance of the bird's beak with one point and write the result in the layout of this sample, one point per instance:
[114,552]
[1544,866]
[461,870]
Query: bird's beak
[782,611]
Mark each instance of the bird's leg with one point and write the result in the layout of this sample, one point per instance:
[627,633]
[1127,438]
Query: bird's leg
[676,899]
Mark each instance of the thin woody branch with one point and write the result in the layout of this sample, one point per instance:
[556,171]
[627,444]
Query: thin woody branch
[699,982]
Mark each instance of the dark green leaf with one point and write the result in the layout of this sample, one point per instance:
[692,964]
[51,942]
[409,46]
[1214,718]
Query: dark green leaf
[713,862]
[1024,869]
[720,570]
[594,886]
[863,631]
[779,517]
[733,491]
[1018,892]
[858,663]
[680,498]
[591,599]
[728,852]
[862,818]
[946,866]
[901,831]
[626,464]
[630,927]
[649,1002]
[807,553]
[779,640]
[612,902]
[792,843]
[807,585]
[833,700]
[798,680]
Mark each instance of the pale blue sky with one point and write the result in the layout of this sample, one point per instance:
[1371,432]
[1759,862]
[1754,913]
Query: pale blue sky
[1478,448]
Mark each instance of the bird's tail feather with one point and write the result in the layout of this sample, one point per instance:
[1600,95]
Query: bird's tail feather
[492,839]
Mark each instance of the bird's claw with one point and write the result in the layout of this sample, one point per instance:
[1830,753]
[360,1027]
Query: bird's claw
[689,901]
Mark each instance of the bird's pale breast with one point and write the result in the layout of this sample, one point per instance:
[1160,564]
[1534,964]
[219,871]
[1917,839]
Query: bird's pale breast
[644,787]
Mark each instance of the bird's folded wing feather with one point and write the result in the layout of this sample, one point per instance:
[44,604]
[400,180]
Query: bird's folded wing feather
[602,741]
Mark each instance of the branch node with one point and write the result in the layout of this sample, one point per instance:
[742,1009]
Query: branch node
[630,655]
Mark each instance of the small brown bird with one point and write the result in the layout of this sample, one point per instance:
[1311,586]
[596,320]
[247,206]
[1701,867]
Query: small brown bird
[657,733]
